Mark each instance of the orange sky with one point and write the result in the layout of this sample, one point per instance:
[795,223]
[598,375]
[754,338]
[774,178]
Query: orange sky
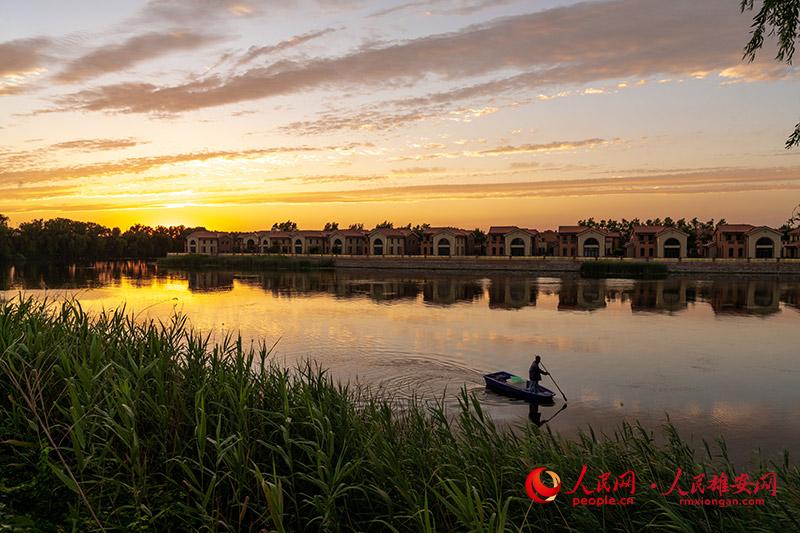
[452,112]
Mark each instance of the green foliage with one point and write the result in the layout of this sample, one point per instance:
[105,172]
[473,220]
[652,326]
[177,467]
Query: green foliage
[61,240]
[623,269]
[775,17]
[108,423]
[244,262]
[285,226]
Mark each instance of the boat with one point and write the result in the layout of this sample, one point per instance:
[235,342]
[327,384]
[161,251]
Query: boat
[514,386]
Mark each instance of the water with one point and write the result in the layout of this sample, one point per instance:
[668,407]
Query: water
[718,354]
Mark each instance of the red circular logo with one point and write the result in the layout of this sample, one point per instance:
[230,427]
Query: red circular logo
[537,490]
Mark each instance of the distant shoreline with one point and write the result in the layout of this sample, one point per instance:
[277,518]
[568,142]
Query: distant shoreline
[478,263]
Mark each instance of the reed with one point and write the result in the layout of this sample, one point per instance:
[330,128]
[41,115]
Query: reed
[116,424]
[245,262]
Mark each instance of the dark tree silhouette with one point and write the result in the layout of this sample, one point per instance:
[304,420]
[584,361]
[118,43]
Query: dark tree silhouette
[774,17]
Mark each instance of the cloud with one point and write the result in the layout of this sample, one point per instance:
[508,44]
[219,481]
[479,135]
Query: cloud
[579,43]
[699,182]
[96,145]
[418,170]
[137,165]
[194,11]
[255,52]
[555,146]
[460,7]
[136,49]
[330,178]
[22,56]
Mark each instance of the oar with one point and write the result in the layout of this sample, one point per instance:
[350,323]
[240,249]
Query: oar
[554,382]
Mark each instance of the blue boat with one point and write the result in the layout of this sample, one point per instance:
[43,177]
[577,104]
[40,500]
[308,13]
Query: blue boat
[514,386]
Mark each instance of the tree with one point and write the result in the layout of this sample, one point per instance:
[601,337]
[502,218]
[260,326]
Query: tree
[356,227]
[385,225]
[331,226]
[794,218]
[480,241]
[775,17]
[285,226]
[420,230]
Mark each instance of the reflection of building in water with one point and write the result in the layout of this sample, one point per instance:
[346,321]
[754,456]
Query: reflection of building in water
[379,291]
[210,281]
[790,295]
[662,295]
[582,295]
[752,297]
[447,291]
[512,293]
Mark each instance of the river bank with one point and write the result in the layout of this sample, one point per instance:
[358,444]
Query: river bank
[112,424]
[532,265]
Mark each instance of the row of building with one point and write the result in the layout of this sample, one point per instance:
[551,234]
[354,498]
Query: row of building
[734,241]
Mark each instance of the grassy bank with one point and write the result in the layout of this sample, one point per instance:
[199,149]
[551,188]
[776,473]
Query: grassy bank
[623,269]
[106,423]
[244,262]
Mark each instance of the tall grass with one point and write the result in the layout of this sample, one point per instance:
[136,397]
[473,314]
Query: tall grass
[244,262]
[623,269]
[108,423]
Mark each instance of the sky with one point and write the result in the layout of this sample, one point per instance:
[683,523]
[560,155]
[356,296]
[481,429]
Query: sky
[235,114]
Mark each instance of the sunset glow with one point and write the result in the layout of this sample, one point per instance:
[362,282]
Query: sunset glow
[237,114]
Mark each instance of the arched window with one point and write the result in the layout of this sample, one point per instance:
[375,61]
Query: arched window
[377,247]
[517,247]
[337,246]
[765,248]
[192,246]
[298,246]
[251,245]
[444,247]
[591,248]
[672,247]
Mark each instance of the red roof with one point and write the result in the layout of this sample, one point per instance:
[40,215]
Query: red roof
[349,233]
[579,229]
[735,228]
[277,234]
[311,233]
[502,229]
[202,234]
[394,232]
[648,229]
[454,231]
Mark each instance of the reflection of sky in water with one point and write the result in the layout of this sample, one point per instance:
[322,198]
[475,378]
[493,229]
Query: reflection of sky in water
[719,355]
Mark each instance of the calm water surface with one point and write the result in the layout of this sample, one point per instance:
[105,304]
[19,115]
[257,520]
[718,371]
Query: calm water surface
[719,355]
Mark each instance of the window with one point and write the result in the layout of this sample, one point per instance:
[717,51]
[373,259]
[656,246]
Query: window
[672,248]
[298,246]
[517,247]
[591,247]
[765,248]
[377,247]
[337,246]
[444,247]
[641,252]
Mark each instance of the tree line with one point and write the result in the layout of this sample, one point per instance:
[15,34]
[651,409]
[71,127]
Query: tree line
[65,240]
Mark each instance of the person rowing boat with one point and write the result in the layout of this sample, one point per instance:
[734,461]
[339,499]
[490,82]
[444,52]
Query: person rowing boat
[535,373]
